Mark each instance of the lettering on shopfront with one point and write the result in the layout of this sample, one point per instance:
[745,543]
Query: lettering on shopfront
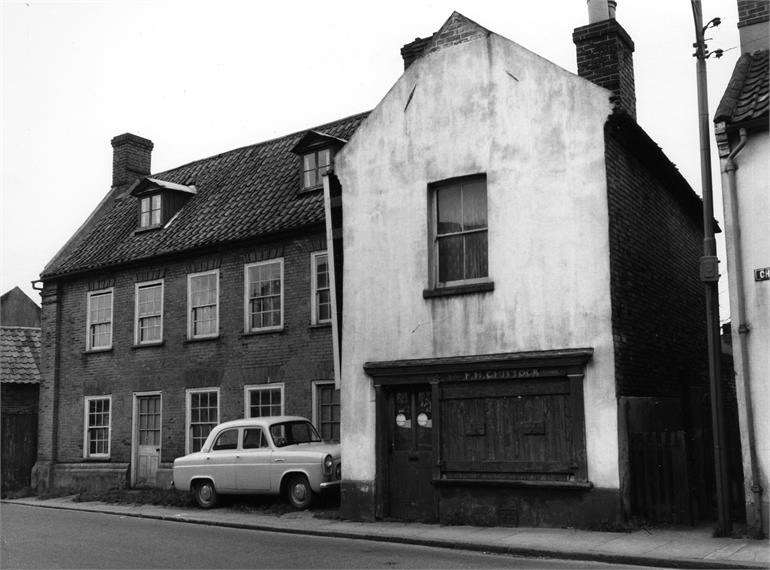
[508,374]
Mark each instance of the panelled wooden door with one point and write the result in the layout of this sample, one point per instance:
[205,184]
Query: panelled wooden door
[410,455]
[148,439]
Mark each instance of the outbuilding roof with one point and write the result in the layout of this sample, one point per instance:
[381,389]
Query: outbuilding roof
[19,355]
[241,194]
[747,96]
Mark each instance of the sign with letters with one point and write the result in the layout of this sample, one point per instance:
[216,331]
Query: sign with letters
[762,274]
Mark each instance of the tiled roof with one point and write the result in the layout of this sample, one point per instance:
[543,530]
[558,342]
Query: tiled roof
[241,194]
[747,94]
[19,355]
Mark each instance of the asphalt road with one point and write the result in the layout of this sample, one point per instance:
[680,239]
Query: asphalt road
[34,537]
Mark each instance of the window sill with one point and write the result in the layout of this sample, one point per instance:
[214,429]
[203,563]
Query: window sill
[148,229]
[97,350]
[565,485]
[201,339]
[97,459]
[325,325]
[263,332]
[463,289]
[148,345]
[311,190]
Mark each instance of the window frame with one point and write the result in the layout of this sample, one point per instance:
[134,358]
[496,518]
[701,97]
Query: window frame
[87,427]
[190,320]
[318,175]
[247,328]
[137,317]
[151,210]
[314,290]
[434,270]
[247,389]
[188,442]
[89,296]
[316,419]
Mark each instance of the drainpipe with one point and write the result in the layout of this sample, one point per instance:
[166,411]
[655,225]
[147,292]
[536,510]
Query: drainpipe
[728,169]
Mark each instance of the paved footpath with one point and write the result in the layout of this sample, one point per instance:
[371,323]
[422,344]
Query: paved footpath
[686,547]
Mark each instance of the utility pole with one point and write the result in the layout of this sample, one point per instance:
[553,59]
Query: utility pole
[709,275]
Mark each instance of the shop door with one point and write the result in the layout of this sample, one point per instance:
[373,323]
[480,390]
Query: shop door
[147,439]
[410,468]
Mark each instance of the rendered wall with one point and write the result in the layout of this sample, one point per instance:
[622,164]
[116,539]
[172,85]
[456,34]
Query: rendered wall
[484,106]
[752,183]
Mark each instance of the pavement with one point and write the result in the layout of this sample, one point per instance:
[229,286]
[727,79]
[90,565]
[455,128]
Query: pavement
[683,547]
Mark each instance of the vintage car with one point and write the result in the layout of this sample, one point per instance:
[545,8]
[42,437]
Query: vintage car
[270,455]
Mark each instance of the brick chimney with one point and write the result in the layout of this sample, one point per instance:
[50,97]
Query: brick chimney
[753,24]
[131,156]
[413,50]
[604,55]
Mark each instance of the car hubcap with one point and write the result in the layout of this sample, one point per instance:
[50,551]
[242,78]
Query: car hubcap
[206,493]
[300,491]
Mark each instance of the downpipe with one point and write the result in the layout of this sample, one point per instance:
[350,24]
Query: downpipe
[728,170]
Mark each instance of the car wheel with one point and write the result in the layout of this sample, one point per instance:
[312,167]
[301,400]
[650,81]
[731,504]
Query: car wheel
[205,494]
[299,492]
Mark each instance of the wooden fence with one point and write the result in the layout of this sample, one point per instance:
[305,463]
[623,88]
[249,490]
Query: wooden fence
[660,482]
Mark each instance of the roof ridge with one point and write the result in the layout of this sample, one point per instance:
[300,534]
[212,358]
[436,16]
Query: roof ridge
[261,143]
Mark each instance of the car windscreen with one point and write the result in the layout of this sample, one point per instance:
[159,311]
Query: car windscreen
[290,433]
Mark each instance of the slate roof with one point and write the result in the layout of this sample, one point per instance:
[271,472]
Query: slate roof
[747,95]
[241,194]
[19,355]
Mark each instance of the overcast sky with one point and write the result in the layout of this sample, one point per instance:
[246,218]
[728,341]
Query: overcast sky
[199,78]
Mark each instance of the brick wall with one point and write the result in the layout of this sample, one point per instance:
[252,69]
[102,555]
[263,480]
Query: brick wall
[753,12]
[658,307]
[296,356]
[604,56]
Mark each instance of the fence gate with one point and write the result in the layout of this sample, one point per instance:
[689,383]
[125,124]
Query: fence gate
[660,482]
[19,450]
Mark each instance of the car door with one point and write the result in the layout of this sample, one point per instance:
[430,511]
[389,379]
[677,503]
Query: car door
[221,460]
[252,472]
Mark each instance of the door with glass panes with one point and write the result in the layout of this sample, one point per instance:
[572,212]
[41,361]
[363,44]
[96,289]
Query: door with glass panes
[410,453]
[146,439]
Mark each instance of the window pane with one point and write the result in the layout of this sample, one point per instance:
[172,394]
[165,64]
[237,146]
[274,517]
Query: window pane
[449,210]
[264,289]
[450,258]
[474,205]
[309,161]
[324,158]
[476,255]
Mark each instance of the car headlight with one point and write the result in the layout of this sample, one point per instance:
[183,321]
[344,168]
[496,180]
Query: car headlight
[328,465]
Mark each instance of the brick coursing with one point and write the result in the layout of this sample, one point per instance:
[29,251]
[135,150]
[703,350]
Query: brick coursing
[604,56]
[658,307]
[296,356]
[753,12]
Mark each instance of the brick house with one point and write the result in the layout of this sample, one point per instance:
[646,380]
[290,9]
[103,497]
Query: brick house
[19,387]
[189,297]
[541,320]
[743,137]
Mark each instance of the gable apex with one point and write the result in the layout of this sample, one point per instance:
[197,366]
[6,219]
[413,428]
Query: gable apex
[456,30]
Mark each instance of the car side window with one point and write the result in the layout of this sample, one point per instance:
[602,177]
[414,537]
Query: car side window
[253,438]
[228,439]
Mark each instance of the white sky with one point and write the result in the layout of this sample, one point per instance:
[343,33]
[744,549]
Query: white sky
[203,77]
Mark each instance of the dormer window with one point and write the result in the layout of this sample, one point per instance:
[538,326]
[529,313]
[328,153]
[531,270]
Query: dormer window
[159,201]
[149,209]
[314,165]
[316,150]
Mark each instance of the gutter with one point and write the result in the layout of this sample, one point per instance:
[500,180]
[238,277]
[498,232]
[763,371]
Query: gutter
[730,187]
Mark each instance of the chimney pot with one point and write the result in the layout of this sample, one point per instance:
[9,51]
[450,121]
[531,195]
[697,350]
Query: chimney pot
[598,11]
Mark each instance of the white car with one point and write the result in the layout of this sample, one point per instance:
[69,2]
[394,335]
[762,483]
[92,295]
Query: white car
[270,455]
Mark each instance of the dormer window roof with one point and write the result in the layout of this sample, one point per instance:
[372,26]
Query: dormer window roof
[316,150]
[159,201]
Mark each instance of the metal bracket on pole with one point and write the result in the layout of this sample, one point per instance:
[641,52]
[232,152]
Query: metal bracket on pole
[709,269]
